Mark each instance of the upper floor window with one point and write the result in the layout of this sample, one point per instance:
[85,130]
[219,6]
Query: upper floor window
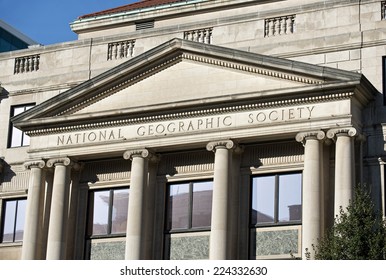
[18,138]
[189,206]
[383,10]
[108,212]
[13,216]
[276,199]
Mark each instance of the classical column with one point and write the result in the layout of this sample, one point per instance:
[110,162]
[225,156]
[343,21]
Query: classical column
[219,235]
[57,228]
[312,190]
[34,219]
[135,217]
[344,166]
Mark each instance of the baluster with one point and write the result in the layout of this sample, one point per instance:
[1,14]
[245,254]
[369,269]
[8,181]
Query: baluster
[37,62]
[266,28]
[109,52]
[33,63]
[210,34]
[293,24]
[115,51]
[17,66]
[131,48]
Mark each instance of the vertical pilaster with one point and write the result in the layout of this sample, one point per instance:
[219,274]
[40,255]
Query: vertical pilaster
[57,228]
[135,217]
[312,190]
[344,166]
[32,239]
[219,235]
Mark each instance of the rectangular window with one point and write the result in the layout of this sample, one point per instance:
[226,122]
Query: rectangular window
[13,216]
[108,212]
[276,199]
[18,138]
[189,206]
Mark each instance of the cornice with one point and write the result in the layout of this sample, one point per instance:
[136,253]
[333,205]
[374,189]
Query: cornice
[195,113]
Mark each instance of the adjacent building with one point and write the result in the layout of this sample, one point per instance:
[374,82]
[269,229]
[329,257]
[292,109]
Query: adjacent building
[194,129]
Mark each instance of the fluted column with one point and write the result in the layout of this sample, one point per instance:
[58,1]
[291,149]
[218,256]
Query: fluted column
[34,219]
[219,235]
[57,228]
[312,190]
[135,217]
[344,166]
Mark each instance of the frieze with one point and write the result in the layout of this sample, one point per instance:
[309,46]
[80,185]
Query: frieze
[186,124]
[202,113]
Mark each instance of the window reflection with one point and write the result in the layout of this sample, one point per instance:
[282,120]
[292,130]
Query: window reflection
[202,204]
[190,205]
[109,211]
[276,198]
[179,200]
[13,220]
[263,193]
[290,205]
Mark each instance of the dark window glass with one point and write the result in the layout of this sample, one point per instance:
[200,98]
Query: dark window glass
[17,138]
[13,220]
[108,212]
[202,204]
[190,205]
[179,200]
[276,199]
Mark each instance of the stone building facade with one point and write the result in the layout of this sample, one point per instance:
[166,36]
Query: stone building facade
[192,130]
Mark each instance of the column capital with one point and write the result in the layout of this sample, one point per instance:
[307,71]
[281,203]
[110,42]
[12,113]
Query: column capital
[224,144]
[346,131]
[65,161]
[34,164]
[303,136]
[143,153]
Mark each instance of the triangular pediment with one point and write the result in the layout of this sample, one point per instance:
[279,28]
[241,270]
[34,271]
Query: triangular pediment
[186,81]
[177,75]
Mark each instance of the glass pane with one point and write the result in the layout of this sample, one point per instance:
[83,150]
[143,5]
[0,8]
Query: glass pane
[9,220]
[21,207]
[179,201]
[101,212]
[18,110]
[26,140]
[202,204]
[263,199]
[17,135]
[119,215]
[290,197]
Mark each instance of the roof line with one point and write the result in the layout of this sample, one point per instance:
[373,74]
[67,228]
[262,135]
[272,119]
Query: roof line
[138,6]
[17,33]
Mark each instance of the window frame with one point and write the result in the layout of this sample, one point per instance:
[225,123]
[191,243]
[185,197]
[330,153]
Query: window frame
[20,142]
[90,213]
[276,201]
[190,228]
[16,218]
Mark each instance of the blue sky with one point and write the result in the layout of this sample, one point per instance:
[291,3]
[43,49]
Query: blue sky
[47,21]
